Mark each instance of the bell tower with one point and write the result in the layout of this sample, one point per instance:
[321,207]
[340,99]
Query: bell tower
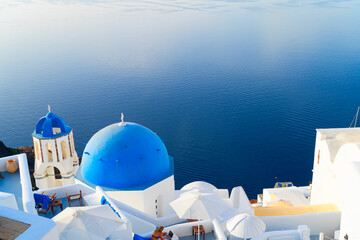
[56,161]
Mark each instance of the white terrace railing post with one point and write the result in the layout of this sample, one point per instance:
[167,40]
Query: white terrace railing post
[304,232]
[219,233]
[26,188]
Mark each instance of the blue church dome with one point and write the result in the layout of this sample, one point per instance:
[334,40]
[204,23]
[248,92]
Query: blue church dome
[125,156]
[51,126]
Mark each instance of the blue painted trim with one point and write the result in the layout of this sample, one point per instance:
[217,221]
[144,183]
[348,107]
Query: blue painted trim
[40,136]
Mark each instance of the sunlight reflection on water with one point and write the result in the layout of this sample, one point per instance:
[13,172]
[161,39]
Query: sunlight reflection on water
[235,88]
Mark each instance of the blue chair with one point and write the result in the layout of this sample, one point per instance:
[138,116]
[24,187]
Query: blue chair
[138,237]
[43,202]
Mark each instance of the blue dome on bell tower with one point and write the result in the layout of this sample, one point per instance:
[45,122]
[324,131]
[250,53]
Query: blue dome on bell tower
[51,126]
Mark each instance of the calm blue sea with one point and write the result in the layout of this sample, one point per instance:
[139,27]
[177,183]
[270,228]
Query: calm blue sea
[235,88]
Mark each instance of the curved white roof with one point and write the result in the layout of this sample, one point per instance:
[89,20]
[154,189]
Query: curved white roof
[199,185]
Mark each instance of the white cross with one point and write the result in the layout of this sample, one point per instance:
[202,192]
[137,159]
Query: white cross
[122,120]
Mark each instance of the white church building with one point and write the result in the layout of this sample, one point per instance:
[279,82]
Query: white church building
[131,163]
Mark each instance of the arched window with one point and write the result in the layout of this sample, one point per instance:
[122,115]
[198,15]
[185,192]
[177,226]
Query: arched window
[64,149]
[49,151]
[56,131]
[37,151]
[57,173]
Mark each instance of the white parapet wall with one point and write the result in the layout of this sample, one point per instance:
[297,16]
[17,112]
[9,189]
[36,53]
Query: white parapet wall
[240,201]
[292,194]
[154,200]
[161,221]
[301,233]
[26,188]
[326,222]
[8,200]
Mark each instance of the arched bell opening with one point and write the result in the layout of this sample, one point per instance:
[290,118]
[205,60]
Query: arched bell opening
[53,176]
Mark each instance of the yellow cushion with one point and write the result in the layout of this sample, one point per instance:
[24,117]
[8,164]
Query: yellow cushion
[295,210]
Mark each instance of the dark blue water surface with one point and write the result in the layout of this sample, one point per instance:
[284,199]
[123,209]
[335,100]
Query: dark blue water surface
[235,88]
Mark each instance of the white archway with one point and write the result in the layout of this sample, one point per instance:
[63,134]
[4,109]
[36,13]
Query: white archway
[53,176]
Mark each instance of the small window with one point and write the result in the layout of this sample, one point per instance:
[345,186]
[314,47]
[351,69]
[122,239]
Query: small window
[37,150]
[49,151]
[64,150]
[57,173]
[56,131]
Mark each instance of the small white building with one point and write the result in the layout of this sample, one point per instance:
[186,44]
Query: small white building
[56,161]
[336,175]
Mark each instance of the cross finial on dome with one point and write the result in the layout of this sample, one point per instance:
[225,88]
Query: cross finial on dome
[122,120]
[49,108]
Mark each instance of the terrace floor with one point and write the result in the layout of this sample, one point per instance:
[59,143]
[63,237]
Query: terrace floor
[11,184]
[57,210]
[11,229]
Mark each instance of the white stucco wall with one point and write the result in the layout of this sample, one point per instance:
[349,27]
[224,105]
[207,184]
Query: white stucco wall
[327,183]
[145,200]
[240,201]
[323,173]
[67,163]
[336,177]
[350,193]
[326,222]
